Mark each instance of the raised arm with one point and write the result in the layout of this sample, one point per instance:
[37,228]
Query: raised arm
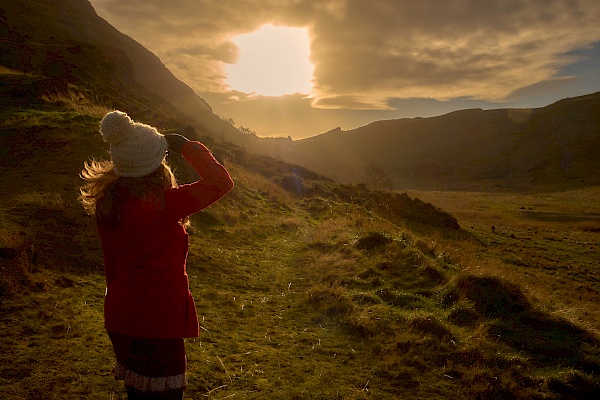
[214,184]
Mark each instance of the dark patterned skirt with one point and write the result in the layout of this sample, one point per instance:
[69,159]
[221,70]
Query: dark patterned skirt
[150,365]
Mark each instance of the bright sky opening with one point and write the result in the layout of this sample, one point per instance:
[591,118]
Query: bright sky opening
[373,60]
[273,61]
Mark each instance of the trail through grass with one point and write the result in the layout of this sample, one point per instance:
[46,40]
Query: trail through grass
[340,293]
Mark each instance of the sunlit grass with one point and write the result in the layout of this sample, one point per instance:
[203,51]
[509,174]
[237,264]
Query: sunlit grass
[304,297]
[554,260]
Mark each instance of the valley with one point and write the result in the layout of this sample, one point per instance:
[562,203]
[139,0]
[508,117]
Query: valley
[313,278]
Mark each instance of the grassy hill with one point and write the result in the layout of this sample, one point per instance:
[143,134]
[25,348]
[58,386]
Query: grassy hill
[550,148]
[80,54]
[305,288]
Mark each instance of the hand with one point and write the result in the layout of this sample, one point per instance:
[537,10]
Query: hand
[175,141]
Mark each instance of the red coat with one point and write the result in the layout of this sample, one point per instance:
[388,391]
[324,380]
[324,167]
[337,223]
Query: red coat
[145,256]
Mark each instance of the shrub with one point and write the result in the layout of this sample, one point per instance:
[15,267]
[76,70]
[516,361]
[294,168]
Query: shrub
[330,302]
[463,316]
[428,325]
[491,296]
[292,183]
[372,241]
[18,259]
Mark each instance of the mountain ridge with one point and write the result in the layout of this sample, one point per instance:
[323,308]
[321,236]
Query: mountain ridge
[552,147]
[544,148]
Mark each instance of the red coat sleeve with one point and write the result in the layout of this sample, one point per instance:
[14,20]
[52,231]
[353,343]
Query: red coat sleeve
[215,183]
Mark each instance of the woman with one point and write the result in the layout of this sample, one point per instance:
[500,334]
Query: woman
[141,216]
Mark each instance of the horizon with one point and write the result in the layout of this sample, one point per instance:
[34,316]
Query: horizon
[399,60]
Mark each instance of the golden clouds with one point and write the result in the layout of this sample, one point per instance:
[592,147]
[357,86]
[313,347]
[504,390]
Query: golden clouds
[367,53]
[444,50]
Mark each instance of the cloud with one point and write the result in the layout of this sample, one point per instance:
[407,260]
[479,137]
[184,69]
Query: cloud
[367,53]
[444,50]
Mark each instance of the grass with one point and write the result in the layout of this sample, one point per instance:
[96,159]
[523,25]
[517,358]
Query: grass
[555,260]
[329,292]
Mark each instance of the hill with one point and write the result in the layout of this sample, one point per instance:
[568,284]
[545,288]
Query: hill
[550,148]
[305,288]
[79,53]
[71,50]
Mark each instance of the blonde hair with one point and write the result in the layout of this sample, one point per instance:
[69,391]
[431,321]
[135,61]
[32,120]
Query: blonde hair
[103,193]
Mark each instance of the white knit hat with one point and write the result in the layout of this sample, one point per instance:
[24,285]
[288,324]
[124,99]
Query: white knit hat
[136,149]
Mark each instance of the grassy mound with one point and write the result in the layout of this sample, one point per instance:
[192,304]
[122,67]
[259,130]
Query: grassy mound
[304,288]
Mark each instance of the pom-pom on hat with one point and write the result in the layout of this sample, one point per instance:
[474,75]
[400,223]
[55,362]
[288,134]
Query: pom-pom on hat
[136,149]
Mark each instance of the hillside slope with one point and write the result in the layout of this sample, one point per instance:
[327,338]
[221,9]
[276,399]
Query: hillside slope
[76,51]
[305,288]
[553,147]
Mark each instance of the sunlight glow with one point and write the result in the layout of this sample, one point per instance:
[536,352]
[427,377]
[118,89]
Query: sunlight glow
[273,61]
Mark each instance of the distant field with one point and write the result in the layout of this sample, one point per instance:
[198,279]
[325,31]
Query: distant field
[547,242]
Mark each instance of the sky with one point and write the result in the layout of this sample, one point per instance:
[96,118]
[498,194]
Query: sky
[300,68]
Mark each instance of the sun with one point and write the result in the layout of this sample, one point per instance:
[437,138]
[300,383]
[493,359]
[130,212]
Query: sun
[273,61]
